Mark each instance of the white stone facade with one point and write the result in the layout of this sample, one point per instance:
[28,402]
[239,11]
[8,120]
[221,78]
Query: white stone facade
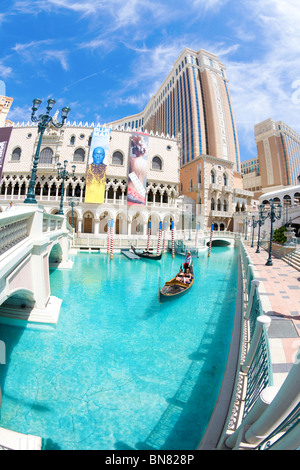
[72,143]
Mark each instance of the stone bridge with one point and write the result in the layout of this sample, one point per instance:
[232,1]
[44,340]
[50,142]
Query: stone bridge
[221,238]
[31,242]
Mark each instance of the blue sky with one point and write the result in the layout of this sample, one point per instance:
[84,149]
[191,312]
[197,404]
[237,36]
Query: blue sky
[105,59]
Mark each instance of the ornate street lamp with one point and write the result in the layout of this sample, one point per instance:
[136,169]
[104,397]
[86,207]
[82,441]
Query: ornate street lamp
[62,173]
[260,222]
[274,214]
[246,222]
[73,202]
[43,121]
[253,225]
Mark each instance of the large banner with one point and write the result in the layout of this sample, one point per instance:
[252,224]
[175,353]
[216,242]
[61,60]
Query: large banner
[137,174]
[96,170]
[5,133]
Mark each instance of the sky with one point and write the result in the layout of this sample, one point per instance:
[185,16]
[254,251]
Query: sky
[105,59]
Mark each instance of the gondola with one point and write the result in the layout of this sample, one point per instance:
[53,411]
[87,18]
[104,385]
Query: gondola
[144,254]
[174,289]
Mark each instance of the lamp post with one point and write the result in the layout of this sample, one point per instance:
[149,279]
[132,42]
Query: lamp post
[43,121]
[246,222]
[62,172]
[260,222]
[73,201]
[273,215]
[253,225]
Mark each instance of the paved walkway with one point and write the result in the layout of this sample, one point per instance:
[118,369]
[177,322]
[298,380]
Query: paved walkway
[280,294]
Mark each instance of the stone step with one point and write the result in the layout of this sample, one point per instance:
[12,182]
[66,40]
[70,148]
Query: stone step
[16,441]
[49,315]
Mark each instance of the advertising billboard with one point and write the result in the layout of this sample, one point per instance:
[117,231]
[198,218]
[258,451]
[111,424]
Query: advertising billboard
[137,173]
[96,170]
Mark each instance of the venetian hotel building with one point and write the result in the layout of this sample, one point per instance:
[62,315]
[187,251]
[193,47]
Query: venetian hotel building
[194,102]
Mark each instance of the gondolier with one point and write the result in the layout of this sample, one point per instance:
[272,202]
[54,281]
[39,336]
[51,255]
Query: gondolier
[187,261]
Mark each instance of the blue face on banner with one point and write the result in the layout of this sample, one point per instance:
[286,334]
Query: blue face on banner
[98,155]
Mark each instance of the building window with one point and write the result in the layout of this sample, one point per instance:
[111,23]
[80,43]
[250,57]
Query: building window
[156,163]
[16,155]
[79,156]
[212,177]
[46,155]
[117,158]
[72,140]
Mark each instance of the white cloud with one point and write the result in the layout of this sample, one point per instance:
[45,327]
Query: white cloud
[5,71]
[36,51]
[262,87]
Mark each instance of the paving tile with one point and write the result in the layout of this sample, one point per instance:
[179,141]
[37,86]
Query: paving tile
[283,306]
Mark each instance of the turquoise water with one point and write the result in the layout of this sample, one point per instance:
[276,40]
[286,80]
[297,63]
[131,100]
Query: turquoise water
[121,371]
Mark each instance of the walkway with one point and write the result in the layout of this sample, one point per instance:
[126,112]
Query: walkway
[280,294]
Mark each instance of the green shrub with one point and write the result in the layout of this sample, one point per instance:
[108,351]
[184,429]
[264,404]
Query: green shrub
[279,236]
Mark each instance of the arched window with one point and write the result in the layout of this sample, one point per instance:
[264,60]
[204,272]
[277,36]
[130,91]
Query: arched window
[212,177]
[16,189]
[225,179]
[46,155]
[117,158]
[45,190]
[16,155]
[219,208]
[38,189]
[212,204]
[53,190]
[79,156]
[156,163]
[287,201]
[225,206]
[199,177]
[72,140]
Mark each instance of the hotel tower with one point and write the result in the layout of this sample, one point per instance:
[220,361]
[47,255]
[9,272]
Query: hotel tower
[194,103]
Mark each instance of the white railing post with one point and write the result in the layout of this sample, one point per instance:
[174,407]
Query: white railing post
[254,287]
[283,404]
[261,321]
[266,397]
[289,441]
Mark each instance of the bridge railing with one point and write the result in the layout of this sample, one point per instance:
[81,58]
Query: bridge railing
[14,228]
[24,222]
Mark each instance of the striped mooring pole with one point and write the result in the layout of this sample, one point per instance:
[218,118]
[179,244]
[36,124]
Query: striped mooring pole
[211,235]
[159,238]
[173,240]
[164,239]
[112,239]
[149,233]
[108,237]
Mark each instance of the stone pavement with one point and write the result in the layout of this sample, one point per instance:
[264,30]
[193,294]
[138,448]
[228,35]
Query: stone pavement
[279,290]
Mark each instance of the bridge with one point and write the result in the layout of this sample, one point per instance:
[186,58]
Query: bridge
[31,242]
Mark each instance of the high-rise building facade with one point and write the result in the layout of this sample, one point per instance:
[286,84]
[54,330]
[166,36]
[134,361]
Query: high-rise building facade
[194,102]
[5,104]
[278,150]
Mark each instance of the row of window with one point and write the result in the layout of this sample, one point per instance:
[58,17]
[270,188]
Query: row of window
[54,190]
[46,157]
[218,205]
